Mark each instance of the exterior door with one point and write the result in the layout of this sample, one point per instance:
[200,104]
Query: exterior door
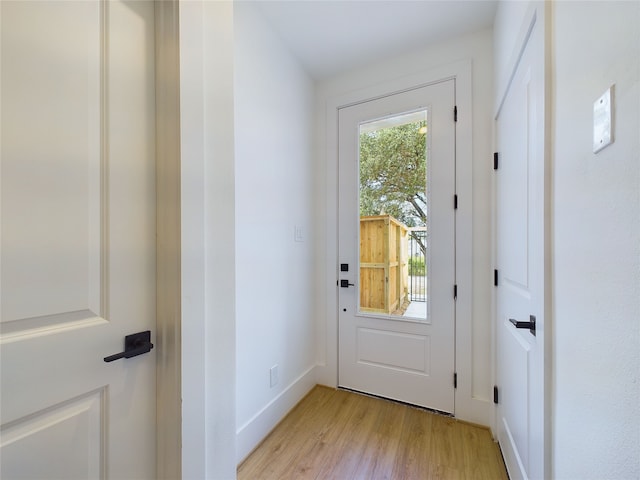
[521,230]
[396,196]
[77,238]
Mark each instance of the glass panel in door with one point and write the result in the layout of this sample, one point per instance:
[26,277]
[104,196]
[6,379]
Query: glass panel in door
[393,215]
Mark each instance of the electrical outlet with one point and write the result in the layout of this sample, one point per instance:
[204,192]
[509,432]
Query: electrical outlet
[273,376]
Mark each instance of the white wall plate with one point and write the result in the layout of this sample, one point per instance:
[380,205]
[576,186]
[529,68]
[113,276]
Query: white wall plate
[602,124]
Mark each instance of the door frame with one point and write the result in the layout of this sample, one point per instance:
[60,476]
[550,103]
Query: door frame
[466,406]
[538,14]
[207,270]
[168,242]
[194,263]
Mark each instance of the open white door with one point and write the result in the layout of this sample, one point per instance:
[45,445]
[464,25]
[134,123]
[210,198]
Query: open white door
[396,308]
[521,230]
[77,243]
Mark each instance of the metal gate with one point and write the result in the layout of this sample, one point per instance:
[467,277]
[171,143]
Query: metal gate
[418,264]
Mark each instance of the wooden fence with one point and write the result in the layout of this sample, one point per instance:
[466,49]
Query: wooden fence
[384,270]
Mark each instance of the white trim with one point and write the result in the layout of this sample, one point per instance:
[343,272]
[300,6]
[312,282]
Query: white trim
[256,429]
[193,329]
[208,258]
[467,407]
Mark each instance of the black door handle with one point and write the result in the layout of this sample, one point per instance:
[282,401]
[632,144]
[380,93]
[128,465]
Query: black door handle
[345,283]
[134,345]
[531,324]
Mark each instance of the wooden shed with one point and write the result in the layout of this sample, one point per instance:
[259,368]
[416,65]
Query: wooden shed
[384,272]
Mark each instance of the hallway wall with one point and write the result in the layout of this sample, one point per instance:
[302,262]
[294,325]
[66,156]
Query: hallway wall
[596,219]
[273,99]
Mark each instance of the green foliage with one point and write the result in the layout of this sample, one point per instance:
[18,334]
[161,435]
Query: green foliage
[393,173]
[417,266]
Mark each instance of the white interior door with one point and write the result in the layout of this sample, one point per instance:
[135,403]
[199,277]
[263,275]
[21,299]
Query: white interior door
[396,192]
[77,244]
[520,250]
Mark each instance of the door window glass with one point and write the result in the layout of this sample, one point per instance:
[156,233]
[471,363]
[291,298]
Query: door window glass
[393,204]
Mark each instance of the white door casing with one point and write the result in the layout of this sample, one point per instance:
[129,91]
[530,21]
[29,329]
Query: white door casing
[521,232]
[403,359]
[77,235]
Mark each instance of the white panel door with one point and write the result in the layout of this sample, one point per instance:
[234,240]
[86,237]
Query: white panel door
[393,342]
[77,239]
[520,248]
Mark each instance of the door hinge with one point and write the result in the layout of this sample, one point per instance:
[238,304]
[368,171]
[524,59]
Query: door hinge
[455,202]
[455,292]
[455,113]
[495,277]
[495,394]
[496,157]
[455,380]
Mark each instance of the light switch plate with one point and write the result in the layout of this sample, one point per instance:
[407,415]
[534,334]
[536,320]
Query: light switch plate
[602,121]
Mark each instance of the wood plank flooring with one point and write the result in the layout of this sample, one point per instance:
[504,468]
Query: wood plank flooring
[333,434]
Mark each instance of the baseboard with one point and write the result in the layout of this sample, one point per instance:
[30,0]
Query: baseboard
[474,410]
[249,435]
[326,375]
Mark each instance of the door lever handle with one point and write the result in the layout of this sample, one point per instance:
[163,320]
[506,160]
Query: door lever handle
[345,283]
[531,324]
[134,345]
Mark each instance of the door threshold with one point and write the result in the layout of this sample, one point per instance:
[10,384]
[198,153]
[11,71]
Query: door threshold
[412,405]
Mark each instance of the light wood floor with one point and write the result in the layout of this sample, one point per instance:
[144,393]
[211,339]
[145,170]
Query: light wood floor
[333,434]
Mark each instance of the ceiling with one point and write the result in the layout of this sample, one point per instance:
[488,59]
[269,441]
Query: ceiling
[331,36]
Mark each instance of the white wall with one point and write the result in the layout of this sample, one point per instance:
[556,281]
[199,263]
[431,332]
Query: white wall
[273,193]
[477,48]
[596,210]
[208,257]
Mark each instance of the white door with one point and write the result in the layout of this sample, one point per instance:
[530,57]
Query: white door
[77,244]
[521,230]
[396,192]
